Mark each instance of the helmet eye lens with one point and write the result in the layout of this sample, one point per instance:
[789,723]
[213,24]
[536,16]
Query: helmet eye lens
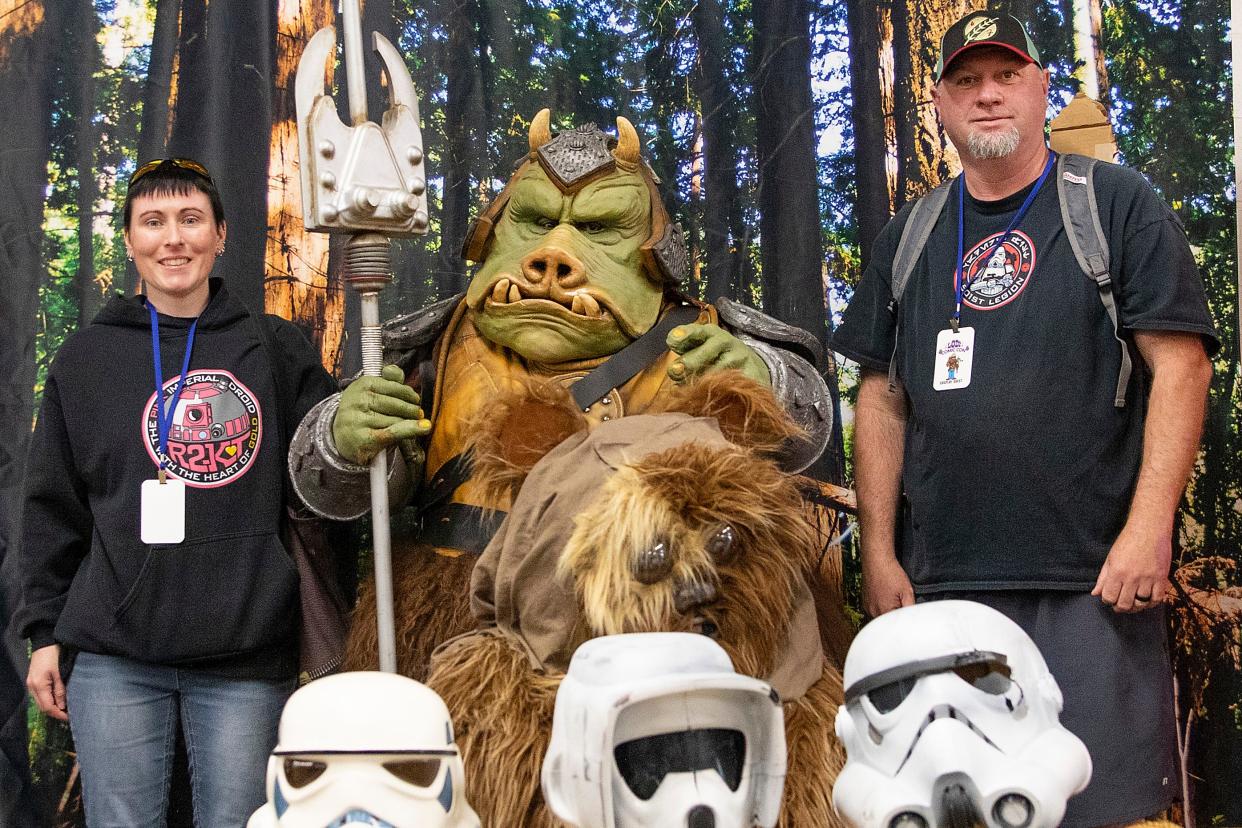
[418,772]
[643,763]
[302,772]
[888,697]
[992,677]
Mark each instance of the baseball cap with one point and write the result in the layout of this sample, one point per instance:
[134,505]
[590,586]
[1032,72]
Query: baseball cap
[985,28]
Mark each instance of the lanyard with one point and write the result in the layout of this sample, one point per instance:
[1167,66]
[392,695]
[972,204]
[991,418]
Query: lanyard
[165,423]
[961,230]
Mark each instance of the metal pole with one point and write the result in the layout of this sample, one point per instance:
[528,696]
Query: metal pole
[368,269]
[355,79]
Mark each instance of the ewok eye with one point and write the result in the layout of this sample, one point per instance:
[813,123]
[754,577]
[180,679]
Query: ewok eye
[722,544]
[653,564]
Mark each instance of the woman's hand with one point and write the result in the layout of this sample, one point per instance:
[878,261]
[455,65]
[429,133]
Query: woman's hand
[43,682]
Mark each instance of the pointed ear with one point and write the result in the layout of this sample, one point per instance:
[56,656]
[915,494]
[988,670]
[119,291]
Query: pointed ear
[512,434]
[748,413]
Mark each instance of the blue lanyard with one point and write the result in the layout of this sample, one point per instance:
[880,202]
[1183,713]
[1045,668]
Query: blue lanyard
[165,423]
[961,231]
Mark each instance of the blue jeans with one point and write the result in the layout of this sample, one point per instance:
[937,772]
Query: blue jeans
[123,715]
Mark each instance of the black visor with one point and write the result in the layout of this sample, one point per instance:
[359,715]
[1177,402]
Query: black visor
[645,762]
[887,689]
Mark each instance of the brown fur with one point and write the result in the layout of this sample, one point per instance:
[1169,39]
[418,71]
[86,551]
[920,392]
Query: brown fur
[502,715]
[513,433]
[811,769]
[748,414]
[424,616]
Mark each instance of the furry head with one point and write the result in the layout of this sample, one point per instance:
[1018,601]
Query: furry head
[675,522]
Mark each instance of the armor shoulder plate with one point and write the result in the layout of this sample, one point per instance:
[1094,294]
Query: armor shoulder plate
[404,333]
[759,325]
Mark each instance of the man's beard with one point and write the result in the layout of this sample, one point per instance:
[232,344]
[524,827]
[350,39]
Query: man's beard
[987,145]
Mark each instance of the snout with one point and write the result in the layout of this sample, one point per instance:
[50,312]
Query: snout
[551,265]
[691,595]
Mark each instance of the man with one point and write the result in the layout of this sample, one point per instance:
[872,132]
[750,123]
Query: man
[1019,482]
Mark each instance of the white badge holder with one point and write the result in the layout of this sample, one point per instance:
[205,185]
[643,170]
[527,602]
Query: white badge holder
[955,353]
[163,511]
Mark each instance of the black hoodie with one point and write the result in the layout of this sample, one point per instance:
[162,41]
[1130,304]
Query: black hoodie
[226,598]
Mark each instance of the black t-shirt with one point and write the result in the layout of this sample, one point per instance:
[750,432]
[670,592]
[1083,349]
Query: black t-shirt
[1023,478]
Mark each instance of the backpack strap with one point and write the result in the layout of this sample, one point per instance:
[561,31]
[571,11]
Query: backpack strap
[1081,217]
[914,236]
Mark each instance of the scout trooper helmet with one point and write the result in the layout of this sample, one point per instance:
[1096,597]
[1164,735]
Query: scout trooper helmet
[951,719]
[365,748]
[658,729]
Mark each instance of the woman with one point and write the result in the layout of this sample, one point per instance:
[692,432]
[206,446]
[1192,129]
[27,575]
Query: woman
[151,545]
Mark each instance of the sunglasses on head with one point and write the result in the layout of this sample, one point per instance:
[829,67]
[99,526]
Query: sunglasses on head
[182,163]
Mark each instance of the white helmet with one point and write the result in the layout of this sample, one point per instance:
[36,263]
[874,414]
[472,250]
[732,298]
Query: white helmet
[365,748]
[951,719]
[658,729]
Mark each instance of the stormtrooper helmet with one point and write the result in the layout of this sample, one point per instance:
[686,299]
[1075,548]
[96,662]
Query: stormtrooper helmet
[365,748]
[951,719]
[658,729]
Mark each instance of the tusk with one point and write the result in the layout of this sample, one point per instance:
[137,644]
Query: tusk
[500,290]
[515,295]
[590,306]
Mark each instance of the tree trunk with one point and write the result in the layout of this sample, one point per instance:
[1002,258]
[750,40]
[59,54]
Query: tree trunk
[157,89]
[1088,52]
[789,226]
[80,41]
[459,125]
[867,116]
[222,117]
[924,156]
[717,102]
[791,248]
[297,281]
[26,35]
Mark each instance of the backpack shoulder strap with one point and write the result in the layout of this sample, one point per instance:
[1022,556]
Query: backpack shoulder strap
[1081,216]
[910,244]
[915,234]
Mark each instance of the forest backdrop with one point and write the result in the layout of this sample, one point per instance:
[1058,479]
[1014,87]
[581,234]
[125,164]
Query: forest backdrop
[785,133]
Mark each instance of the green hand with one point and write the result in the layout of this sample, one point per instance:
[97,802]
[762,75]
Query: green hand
[706,348]
[375,413]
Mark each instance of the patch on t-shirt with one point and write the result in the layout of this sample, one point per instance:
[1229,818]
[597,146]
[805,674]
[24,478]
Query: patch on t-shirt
[999,280]
[215,430]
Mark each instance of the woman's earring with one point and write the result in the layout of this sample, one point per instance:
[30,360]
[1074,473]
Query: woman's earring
[220,251]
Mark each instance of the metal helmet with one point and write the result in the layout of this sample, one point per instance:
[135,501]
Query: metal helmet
[365,748]
[658,729]
[951,719]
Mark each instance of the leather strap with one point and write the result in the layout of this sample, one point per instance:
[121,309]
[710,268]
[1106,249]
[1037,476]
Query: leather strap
[624,365]
[460,526]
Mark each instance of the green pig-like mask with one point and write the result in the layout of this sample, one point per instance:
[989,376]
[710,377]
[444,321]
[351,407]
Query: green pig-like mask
[571,268]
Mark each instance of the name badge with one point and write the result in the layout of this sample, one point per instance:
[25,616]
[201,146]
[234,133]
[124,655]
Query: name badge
[163,511]
[955,351]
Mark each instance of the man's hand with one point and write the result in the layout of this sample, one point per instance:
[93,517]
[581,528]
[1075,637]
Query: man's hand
[706,348]
[1135,575]
[43,682]
[885,585]
[879,435]
[375,413]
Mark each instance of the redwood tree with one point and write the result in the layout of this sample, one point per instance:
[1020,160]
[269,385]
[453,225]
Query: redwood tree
[27,32]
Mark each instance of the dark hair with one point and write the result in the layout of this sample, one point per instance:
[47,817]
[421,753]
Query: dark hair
[167,179]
